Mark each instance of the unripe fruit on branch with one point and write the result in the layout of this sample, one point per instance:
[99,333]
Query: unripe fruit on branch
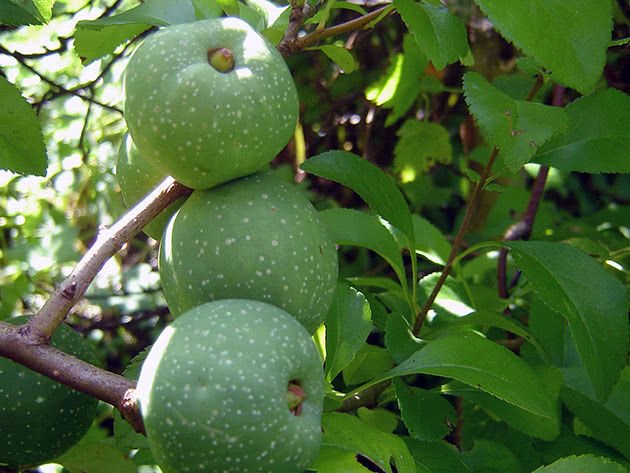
[137,178]
[39,418]
[205,116]
[214,391]
[258,238]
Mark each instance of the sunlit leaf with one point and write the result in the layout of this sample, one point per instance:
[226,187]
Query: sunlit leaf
[96,38]
[22,147]
[569,39]
[27,12]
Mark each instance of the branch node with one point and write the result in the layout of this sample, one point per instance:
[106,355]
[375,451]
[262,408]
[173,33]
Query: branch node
[70,291]
[130,411]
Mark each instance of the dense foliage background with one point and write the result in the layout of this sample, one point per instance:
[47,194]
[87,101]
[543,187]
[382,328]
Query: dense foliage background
[425,93]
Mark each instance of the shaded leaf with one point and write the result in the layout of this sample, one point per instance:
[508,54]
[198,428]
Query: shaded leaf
[348,325]
[96,458]
[399,338]
[593,301]
[346,436]
[370,361]
[426,414]
[491,456]
[421,145]
[598,140]
[352,227]
[340,56]
[436,456]
[22,147]
[439,33]
[483,364]
[378,417]
[533,425]
[568,38]
[375,187]
[608,421]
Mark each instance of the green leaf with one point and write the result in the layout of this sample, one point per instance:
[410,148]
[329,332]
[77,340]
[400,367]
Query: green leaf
[488,319]
[516,127]
[339,55]
[533,425]
[348,325]
[25,12]
[345,437]
[548,327]
[436,456]
[568,38]
[598,139]
[439,33]
[483,364]
[22,147]
[593,301]
[431,243]
[421,145]
[609,422]
[380,418]
[399,338]
[207,9]
[269,11]
[352,227]
[427,415]
[373,185]
[400,85]
[96,458]
[370,361]
[96,38]
[585,463]
[492,456]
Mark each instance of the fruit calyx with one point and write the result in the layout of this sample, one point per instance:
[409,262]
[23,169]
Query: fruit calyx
[221,59]
[295,397]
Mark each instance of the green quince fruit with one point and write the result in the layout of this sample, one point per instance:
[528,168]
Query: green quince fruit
[137,178]
[209,101]
[39,418]
[233,386]
[258,238]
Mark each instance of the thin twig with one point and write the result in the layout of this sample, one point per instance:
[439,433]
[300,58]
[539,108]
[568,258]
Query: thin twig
[522,229]
[457,243]
[291,44]
[472,202]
